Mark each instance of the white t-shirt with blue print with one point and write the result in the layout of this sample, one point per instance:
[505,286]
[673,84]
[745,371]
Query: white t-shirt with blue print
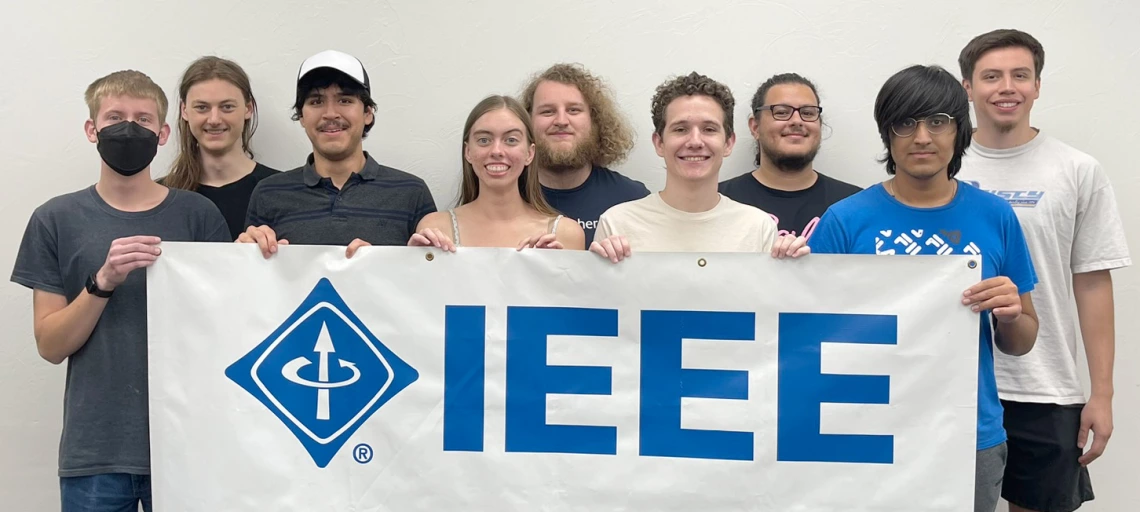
[974,222]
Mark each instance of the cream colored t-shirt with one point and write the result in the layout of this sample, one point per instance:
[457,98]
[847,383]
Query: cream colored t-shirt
[651,225]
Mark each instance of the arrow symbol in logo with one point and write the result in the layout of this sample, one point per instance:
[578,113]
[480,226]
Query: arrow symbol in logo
[323,348]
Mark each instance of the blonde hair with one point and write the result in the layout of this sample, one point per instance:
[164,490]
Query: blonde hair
[125,83]
[186,172]
[529,187]
[615,137]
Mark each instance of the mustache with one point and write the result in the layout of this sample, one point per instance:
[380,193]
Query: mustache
[340,125]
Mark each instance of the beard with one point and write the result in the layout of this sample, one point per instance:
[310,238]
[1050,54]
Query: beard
[561,160]
[787,162]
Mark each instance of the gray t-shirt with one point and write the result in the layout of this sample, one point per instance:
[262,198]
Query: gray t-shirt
[105,426]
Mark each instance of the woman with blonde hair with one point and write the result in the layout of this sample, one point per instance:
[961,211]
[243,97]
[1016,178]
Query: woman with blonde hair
[500,202]
[217,118]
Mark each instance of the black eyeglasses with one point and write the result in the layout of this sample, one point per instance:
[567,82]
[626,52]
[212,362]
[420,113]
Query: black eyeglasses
[808,113]
[935,124]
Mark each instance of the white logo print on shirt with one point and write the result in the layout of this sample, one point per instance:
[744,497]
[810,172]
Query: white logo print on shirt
[912,242]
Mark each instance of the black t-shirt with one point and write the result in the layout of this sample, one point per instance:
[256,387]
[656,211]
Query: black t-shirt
[601,191]
[794,211]
[233,198]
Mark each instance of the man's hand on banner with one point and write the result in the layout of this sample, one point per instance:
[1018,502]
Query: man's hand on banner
[125,255]
[1014,317]
[790,246]
[355,244]
[998,294]
[432,237]
[614,248]
[544,241]
[264,237]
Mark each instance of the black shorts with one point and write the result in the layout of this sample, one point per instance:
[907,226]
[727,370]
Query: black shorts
[1042,472]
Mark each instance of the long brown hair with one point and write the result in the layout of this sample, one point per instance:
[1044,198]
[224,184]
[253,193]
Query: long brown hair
[186,172]
[529,187]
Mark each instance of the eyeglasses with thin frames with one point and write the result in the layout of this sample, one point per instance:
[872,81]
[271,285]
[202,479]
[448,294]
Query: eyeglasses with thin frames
[935,124]
[808,113]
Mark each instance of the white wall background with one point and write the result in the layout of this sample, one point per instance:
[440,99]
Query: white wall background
[430,61]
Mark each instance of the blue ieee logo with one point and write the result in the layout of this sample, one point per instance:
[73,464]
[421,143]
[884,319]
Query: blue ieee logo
[322,373]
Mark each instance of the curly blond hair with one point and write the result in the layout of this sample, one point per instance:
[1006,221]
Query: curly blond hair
[615,136]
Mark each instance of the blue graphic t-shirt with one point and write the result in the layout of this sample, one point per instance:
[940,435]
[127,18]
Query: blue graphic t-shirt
[974,223]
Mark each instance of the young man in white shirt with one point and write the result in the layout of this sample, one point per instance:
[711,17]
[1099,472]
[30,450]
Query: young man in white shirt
[1067,209]
[692,120]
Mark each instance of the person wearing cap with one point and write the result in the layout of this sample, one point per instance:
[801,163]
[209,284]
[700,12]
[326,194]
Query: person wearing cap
[341,196]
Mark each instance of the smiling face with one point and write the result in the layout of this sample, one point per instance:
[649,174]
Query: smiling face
[498,149]
[334,122]
[563,126]
[791,144]
[216,113]
[694,142]
[1003,88]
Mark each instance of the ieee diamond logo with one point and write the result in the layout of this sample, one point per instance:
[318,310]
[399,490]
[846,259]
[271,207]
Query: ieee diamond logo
[322,373]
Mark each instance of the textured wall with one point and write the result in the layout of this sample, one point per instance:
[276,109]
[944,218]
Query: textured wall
[431,61]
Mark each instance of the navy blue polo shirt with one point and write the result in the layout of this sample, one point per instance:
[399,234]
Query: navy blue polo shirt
[601,191]
[379,205]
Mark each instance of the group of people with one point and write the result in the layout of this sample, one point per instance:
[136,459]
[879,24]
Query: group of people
[536,174]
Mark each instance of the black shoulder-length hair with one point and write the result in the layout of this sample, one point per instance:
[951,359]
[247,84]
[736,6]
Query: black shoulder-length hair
[919,91]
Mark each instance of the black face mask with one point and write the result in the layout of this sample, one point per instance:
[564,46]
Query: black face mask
[126,147]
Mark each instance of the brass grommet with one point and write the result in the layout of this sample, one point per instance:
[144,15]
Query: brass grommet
[701,262]
[429,256]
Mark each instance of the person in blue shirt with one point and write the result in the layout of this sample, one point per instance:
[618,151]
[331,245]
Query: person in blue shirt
[923,116]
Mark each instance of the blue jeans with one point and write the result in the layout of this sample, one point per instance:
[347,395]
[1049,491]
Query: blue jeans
[111,492]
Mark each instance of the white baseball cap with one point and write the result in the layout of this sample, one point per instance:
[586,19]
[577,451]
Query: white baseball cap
[340,61]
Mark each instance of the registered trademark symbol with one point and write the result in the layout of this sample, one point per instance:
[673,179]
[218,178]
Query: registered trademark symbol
[362,453]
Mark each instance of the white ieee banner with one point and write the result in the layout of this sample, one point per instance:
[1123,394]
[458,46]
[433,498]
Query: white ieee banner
[406,379]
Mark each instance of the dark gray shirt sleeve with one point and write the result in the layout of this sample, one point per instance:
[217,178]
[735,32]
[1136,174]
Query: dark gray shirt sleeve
[37,264]
[216,228]
[253,213]
[424,206]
